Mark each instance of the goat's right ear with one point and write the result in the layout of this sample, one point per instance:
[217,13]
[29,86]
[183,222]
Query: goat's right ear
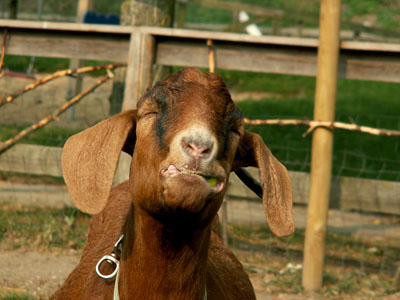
[90,158]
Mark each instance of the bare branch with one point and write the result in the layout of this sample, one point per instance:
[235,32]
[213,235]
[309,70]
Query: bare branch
[3,50]
[7,144]
[211,56]
[57,74]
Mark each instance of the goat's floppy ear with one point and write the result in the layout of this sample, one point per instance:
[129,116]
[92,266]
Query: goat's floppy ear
[275,181]
[90,158]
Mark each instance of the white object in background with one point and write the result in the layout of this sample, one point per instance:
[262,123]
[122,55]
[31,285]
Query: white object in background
[251,29]
[243,16]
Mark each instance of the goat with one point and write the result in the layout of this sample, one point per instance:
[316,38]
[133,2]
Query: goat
[185,138]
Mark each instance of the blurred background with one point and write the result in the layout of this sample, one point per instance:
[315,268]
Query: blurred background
[41,234]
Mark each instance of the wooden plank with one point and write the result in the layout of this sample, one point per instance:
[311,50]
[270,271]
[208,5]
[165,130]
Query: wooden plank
[283,55]
[347,193]
[63,26]
[369,195]
[374,66]
[138,75]
[35,195]
[157,31]
[68,45]
[271,59]
[369,46]
[228,37]
[300,185]
[278,59]
[191,34]
[32,159]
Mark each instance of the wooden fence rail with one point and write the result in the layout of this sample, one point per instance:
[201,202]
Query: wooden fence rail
[285,55]
[346,193]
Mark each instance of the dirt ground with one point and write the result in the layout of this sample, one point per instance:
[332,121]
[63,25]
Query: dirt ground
[47,271]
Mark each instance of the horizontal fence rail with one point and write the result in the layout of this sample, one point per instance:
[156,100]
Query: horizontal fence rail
[288,55]
[347,193]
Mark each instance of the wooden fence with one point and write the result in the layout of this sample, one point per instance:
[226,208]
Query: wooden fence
[141,47]
[346,193]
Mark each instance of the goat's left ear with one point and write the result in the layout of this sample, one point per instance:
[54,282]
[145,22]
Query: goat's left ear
[275,181]
[90,158]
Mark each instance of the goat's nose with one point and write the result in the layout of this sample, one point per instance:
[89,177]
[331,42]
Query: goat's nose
[197,148]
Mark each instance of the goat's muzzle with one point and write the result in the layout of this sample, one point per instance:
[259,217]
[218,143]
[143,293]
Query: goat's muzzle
[190,190]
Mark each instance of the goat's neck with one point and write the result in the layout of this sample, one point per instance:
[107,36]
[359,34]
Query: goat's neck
[163,262]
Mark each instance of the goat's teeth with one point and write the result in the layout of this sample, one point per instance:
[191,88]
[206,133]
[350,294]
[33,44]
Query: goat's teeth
[212,181]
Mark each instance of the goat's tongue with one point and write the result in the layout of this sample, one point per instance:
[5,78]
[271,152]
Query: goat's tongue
[172,170]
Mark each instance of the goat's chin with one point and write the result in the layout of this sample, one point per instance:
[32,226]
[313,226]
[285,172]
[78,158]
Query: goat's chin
[186,192]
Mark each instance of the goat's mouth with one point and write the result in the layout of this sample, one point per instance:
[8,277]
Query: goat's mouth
[216,183]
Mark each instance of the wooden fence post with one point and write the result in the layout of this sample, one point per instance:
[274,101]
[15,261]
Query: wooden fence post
[322,144]
[138,79]
[139,70]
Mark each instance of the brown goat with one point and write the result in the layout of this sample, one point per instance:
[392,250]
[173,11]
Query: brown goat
[185,138]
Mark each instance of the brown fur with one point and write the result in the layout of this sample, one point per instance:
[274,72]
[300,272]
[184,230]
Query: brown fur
[171,249]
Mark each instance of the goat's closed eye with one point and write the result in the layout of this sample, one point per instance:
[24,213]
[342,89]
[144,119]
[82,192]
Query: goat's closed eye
[148,114]
[235,130]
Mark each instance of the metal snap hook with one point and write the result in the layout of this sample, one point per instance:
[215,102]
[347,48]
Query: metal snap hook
[111,260]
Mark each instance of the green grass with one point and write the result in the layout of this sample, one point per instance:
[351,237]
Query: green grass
[41,64]
[16,296]
[35,228]
[373,104]
[307,12]
[350,269]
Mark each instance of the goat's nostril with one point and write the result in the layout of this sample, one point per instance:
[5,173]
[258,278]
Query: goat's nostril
[194,148]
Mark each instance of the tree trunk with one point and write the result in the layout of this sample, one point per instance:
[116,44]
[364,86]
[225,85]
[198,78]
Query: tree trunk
[141,13]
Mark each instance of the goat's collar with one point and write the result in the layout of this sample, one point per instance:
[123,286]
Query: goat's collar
[113,259]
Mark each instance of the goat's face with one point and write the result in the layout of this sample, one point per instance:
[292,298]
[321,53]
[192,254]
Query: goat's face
[186,137]
[186,140]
